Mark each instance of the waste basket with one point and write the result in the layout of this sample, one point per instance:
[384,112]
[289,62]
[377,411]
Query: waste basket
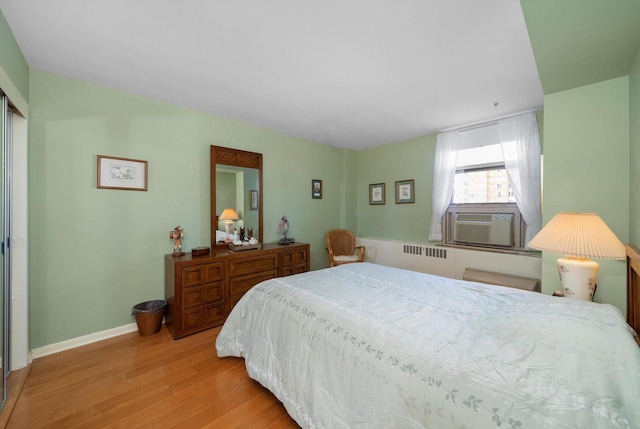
[149,316]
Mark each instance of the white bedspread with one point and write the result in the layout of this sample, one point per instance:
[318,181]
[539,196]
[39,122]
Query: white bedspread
[367,346]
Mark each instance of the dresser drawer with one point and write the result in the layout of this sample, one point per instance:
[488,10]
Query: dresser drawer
[201,294]
[214,313]
[294,257]
[192,318]
[192,276]
[201,291]
[199,274]
[214,272]
[214,291]
[196,318]
[288,271]
[192,296]
[240,267]
[240,285]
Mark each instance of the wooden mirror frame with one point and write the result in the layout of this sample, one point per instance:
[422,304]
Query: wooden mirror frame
[235,158]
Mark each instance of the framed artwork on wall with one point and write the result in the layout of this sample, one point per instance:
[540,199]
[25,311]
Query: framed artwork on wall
[122,173]
[316,189]
[253,194]
[376,194]
[405,191]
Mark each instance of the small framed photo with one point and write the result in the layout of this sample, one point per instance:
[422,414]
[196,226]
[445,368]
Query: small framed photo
[376,194]
[405,191]
[122,173]
[316,189]
[253,195]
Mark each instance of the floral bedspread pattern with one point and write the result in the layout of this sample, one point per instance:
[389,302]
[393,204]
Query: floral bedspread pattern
[368,346]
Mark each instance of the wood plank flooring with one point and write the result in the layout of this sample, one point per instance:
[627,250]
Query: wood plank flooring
[14,387]
[145,382]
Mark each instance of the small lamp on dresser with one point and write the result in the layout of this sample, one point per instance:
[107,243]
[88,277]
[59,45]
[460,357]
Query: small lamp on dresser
[580,236]
[228,216]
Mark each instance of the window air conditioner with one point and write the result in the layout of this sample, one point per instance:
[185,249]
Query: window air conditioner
[483,228]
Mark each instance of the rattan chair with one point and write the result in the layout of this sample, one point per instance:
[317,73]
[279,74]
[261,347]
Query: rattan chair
[341,245]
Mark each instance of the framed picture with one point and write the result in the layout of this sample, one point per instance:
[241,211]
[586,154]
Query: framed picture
[376,194]
[122,173]
[253,195]
[405,191]
[316,189]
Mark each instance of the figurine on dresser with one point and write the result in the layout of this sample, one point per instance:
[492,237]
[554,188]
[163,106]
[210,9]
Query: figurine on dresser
[283,228]
[177,235]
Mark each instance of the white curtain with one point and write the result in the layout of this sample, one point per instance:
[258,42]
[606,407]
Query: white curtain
[444,170]
[521,150]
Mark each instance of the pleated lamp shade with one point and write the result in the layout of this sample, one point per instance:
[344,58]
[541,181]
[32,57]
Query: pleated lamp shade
[582,235]
[229,214]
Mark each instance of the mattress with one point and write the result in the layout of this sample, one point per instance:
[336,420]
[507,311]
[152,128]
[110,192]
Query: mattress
[367,346]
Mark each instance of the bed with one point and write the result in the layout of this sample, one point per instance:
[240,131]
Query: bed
[368,346]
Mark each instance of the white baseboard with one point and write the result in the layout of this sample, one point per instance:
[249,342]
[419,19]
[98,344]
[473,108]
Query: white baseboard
[81,341]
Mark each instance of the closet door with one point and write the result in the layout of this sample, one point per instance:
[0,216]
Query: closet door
[5,261]
[3,354]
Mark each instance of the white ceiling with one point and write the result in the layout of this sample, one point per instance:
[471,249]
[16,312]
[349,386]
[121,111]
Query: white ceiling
[348,73]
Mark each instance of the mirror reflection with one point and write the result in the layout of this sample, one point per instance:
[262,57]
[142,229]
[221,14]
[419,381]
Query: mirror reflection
[236,194]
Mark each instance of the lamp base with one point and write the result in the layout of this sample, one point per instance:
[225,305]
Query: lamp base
[578,276]
[228,226]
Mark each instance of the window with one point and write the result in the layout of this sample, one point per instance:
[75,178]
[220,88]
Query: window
[482,185]
[479,180]
[486,185]
[480,172]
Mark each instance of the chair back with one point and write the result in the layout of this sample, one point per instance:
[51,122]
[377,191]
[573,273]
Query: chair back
[341,242]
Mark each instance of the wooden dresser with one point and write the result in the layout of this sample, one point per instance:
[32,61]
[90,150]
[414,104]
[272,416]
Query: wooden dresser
[201,291]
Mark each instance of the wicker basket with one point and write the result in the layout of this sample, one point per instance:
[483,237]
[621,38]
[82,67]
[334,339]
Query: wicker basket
[149,316]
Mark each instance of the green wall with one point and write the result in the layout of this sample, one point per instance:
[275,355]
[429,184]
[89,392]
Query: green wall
[14,71]
[634,152]
[225,193]
[410,159]
[95,253]
[348,190]
[586,169]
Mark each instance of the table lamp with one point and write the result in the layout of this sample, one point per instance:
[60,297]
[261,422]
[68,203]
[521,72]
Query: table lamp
[228,216]
[579,236]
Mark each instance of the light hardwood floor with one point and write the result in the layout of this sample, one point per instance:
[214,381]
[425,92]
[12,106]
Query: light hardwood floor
[131,381]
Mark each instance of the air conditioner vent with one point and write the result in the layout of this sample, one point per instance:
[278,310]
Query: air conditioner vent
[474,217]
[483,228]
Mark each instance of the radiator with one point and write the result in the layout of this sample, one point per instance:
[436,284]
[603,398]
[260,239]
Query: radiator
[431,252]
[445,261]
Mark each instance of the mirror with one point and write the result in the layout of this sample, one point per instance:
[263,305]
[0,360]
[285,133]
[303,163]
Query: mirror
[236,183]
